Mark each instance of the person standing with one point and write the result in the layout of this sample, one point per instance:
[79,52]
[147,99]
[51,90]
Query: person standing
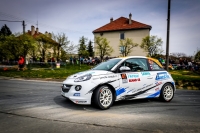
[21,63]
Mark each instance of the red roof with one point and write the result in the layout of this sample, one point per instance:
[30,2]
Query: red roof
[122,23]
[35,34]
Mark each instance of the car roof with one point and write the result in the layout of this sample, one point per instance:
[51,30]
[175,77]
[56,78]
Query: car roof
[127,57]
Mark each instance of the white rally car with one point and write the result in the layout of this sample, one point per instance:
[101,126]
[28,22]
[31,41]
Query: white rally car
[125,78]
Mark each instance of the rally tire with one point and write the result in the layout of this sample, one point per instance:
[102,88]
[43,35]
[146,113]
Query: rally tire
[167,92]
[103,97]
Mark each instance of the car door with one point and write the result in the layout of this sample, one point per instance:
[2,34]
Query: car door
[156,72]
[134,82]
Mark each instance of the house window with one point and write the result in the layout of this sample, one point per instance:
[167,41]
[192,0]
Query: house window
[122,36]
[101,34]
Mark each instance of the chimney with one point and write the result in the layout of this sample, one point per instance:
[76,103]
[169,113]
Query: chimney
[111,19]
[37,30]
[130,21]
[49,35]
[32,30]
[46,33]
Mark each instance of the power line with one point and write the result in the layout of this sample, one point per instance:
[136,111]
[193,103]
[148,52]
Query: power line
[10,21]
[41,24]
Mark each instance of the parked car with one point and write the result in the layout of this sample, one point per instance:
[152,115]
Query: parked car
[126,78]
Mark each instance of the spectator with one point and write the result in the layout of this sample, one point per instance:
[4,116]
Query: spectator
[190,65]
[71,59]
[21,63]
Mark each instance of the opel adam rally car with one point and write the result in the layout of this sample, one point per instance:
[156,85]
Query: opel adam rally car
[126,78]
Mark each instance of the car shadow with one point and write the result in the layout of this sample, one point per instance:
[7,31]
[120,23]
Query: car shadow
[66,103]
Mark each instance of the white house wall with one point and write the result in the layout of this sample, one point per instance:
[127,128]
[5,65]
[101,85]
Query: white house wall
[135,35]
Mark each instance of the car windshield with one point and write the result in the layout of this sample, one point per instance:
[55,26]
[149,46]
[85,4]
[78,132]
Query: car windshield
[108,65]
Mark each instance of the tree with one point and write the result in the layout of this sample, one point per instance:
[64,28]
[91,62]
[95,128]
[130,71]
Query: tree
[102,46]
[152,44]
[90,49]
[62,42]
[27,44]
[126,46]
[5,31]
[82,50]
[44,43]
[15,45]
[197,56]
[178,54]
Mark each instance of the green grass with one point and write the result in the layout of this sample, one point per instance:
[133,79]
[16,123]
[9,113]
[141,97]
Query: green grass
[186,79]
[39,72]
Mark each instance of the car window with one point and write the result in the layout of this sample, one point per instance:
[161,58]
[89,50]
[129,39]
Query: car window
[108,65]
[154,65]
[136,64]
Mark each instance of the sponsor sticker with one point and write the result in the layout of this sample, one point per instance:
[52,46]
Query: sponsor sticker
[104,77]
[80,101]
[162,76]
[134,80]
[158,83]
[124,78]
[145,73]
[130,76]
[156,89]
[77,94]
[112,76]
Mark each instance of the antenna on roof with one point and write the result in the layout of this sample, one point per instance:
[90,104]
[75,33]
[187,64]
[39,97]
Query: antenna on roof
[37,24]
[37,21]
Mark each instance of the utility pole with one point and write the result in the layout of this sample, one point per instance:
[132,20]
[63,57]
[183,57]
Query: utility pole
[168,29]
[23,24]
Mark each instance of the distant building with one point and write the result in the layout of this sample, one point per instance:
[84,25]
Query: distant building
[122,28]
[35,33]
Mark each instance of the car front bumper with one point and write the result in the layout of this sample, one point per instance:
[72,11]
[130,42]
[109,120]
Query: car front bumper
[79,97]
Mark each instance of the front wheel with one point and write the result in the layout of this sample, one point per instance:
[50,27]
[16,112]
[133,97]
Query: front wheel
[167,92]
[103,97]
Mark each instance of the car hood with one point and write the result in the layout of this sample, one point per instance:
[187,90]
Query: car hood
[92,72]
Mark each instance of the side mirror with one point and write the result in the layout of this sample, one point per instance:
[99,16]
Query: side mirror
[124,68]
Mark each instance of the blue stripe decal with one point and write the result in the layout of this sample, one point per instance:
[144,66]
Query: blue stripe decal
[120,91]
[154,95]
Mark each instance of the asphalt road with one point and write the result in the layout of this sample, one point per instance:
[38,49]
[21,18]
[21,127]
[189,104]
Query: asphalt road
[38,107]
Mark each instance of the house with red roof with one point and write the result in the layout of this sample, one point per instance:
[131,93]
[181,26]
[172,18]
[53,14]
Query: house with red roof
[122,28]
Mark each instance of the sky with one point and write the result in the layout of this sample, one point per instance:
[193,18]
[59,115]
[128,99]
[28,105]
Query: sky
[77,18]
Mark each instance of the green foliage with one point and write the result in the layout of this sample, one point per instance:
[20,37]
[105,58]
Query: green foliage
[44,43]
[126,46]
[62,42]
[5,31]
[27,44]
[152,44]
[12,46]
[102,46]
[90,49]
[197,56]
[82,50]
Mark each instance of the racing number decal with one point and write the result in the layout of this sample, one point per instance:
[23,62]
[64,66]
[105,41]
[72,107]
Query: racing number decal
[124,78]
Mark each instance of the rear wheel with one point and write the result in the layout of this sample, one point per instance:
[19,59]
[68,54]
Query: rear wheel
[103,97]
[167,93]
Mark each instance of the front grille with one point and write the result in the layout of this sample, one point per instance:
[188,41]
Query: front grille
[66,88]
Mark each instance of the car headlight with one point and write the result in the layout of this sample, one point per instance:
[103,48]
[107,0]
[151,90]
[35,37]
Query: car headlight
[83,78]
